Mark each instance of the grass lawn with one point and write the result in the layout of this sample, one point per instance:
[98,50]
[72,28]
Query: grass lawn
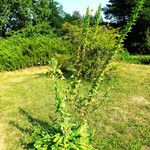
[122,121]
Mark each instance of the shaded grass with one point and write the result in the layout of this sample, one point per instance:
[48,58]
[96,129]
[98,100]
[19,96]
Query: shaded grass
[122,121]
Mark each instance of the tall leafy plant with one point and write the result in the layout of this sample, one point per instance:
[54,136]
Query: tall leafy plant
[64,134]
[72,129]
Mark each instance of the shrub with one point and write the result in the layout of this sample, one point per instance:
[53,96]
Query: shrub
[18,52]
[137,59]
[141,59]
[32,31]
[97,46]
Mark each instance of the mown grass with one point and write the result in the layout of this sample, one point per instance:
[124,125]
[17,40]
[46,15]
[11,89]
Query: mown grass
[122,121]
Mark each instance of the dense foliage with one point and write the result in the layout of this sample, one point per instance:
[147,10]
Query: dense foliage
[137,59]
[119,12]
[15,15]
[20,52]
[97,45]
[75,18]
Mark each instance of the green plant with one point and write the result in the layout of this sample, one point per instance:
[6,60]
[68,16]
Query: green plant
[87,104]
[93,46]
[19,52]
[72,129]
[140,59]
[65,134]
[31,31]
[137,59]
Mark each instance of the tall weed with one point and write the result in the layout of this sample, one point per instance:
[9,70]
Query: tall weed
[72,129]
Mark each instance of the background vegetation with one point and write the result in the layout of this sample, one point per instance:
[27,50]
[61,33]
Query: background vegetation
[21,22]
[80,114]
[20,52]
[138,40]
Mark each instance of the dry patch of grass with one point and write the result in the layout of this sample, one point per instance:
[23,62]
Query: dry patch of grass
[2,137]
[140,100]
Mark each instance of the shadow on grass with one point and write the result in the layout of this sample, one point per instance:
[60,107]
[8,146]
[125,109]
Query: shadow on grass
[34,124]
[66,73]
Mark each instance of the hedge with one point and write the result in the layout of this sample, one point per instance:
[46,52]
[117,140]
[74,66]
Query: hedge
[18,52]
[137,59]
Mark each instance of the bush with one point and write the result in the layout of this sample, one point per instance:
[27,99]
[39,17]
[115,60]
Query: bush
[137,59]
[96,46]
[37,30]
[18,52]
[141,59]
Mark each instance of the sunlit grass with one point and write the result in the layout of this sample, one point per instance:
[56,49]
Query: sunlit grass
[122,121]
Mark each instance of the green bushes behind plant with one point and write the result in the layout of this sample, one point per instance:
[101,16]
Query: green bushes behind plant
[141,59]
[36,30]
[18,52]
[137,59]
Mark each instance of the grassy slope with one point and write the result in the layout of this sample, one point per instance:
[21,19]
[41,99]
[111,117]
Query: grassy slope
[122,122]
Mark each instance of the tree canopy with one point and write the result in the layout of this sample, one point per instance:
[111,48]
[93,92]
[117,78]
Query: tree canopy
[17,14]
[119,11]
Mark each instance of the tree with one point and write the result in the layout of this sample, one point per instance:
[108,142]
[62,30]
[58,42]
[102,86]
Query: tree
[75,18]
[13,15]
[119,11]
[17,14]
